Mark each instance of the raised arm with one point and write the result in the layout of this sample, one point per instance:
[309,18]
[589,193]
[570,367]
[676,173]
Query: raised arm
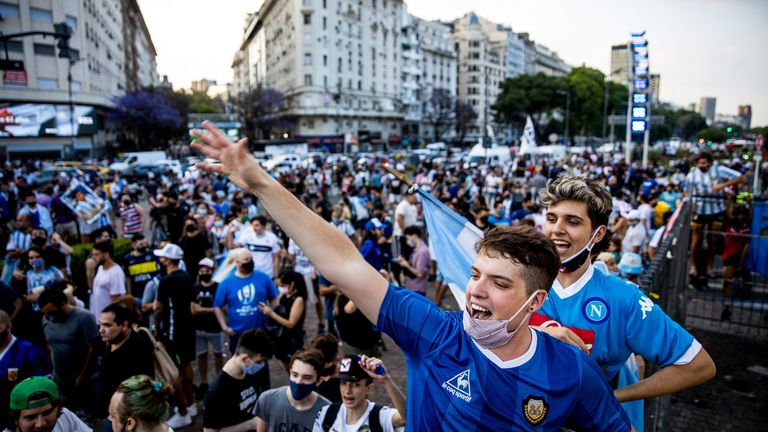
[332,252]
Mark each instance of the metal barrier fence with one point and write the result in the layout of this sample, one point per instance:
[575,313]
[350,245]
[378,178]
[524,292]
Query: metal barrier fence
[700,302]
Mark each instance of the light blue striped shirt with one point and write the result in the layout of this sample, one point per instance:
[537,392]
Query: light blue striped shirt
[699,183]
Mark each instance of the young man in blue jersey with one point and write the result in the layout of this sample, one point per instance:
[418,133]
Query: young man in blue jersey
[477,370]
[611,318]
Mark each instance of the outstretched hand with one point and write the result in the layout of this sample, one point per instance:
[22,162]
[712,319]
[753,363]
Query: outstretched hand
[235,161]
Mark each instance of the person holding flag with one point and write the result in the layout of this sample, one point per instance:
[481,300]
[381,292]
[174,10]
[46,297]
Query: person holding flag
[479,368]
[607,316]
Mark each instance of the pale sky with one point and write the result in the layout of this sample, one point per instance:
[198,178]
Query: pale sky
[700,47]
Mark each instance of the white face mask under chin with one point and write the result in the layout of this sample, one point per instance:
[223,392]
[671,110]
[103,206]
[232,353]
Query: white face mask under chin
[494,333]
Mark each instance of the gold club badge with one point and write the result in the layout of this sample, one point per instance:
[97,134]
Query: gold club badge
[535,409]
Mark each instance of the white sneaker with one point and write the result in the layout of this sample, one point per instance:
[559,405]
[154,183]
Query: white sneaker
[178,421]
[192,410]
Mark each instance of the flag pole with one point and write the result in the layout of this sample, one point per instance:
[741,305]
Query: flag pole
[399,175]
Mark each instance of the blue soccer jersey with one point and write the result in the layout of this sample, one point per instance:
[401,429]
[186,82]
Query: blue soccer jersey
[623,319]
[455,385]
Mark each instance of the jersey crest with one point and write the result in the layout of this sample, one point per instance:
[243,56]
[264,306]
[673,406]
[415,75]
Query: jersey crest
[459,386]
[535,409]
[595,310]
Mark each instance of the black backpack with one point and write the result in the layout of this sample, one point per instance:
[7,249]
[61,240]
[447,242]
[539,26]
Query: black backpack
[333,411]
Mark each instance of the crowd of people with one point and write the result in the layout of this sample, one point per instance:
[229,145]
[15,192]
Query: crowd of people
[210,275]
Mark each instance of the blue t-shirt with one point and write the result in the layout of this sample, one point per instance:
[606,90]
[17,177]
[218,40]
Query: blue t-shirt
[623,319]
[458,386]
[242,297]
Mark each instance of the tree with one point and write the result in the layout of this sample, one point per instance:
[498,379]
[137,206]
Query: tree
[465,117]
[200,102]
[148,117]
[440,111]
[688,124]
[713,135]
[528,95]
[587,87]
[262,111]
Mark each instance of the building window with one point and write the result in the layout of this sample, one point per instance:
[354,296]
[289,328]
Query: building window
[47,84]
[76,86]
[45,50]
[307,2]
[15,46]
[72,23]
[359,85]
[324,4]
[325,60]
[308,80]
[9,10]
[325,22]
[40,15]
[75,54]
[307,19]
[307,59]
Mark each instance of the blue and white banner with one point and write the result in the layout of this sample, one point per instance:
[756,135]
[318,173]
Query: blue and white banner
[453,240]
[758,247]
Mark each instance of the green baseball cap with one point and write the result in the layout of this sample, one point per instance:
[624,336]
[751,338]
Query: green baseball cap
[32,386]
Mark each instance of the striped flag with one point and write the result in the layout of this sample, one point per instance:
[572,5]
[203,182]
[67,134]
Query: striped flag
[453,239]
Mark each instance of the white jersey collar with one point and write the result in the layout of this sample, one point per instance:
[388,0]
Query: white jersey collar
[576,286]
[515,362]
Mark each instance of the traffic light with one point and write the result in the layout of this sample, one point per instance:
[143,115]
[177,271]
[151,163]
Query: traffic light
[63,33]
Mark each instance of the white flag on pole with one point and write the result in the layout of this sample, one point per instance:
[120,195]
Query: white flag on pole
[528,141]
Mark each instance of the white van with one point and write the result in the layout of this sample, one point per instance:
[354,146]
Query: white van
[131,159]
[554,152]
[479,155]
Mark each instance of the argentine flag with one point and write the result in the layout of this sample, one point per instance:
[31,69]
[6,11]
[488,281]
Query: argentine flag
[453,240]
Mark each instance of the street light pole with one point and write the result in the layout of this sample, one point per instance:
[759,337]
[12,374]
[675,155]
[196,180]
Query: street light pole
[567,94]
[70,152]
[628,135]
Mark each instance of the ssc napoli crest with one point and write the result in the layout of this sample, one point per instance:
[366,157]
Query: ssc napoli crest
[535,409]
[595,310]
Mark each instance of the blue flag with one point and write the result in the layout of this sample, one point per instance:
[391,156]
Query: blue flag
[758,246]
[452,239]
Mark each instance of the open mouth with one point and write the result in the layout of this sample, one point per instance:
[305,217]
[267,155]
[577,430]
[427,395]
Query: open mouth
[562,246]
[348,400]
[479,312]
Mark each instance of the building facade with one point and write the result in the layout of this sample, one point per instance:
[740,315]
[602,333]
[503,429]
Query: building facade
[619,64]
[744,114]
[706,108]
[336,62]
[112,52]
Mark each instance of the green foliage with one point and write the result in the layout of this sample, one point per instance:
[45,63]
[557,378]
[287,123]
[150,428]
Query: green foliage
[80,253]
[715,135]
[200,102]
[587,87]
[529,95]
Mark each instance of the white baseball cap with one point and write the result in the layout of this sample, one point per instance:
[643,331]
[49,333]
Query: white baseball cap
[634,214]
[206,262]
[170,251]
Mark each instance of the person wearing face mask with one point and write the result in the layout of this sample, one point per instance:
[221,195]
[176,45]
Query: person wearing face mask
[418,265]
[140,404]
[195,245]
[72,336]
[173,316]
[55,252]
[207,328]
[479,368]
[634,238]
[140,266]
[617,318]
[295,406]
[41,217]
[241,292]
[131,216]
[127,353]
[292,302]
[231,400]
[39,274]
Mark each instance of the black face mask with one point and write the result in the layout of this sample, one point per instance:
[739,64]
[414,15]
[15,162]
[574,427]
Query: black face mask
[191,228]
[205,277]
[143,249]
[56,316]
[575,262]
[39,241]
[247,267]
